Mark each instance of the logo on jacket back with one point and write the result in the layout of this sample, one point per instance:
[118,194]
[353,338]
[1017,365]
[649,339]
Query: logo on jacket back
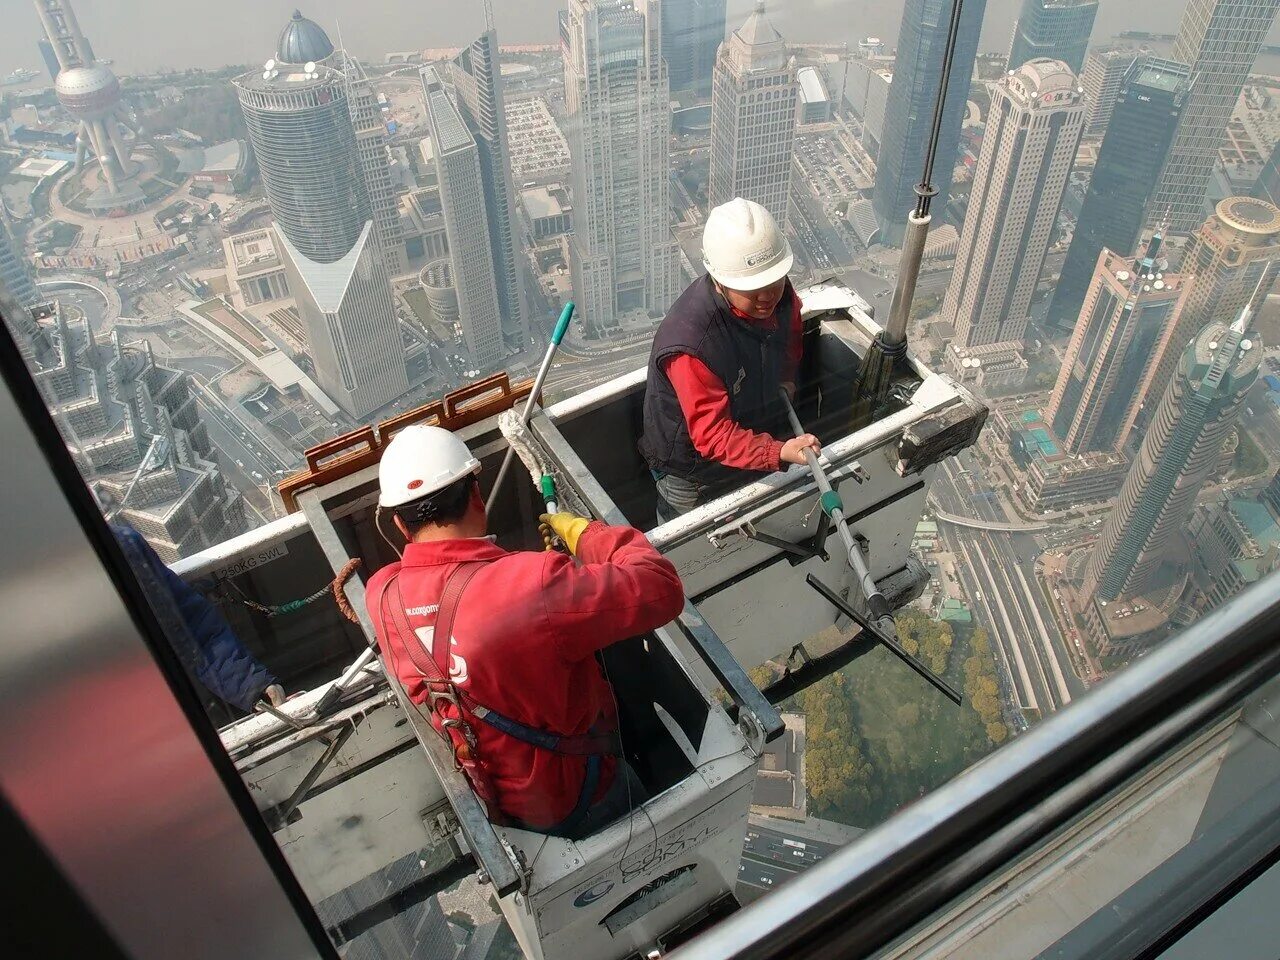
[592,894]
[457,665]
[737,384]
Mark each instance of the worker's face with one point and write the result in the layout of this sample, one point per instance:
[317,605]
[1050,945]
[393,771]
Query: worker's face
[757,304]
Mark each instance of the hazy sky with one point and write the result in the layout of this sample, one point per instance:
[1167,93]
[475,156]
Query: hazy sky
[144,35]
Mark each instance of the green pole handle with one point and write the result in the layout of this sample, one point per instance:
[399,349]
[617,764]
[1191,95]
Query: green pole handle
[562,325]
[548,484]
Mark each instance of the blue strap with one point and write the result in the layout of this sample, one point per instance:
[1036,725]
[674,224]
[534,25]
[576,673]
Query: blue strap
[589,784]
[588,744]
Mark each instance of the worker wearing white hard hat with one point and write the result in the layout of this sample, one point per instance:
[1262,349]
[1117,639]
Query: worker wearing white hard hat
[712,411]
[499,646]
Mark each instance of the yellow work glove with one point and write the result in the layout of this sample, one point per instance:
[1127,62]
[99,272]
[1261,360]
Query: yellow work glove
[567,526]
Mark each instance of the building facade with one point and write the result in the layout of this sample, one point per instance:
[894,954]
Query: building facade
[691,34]
[15,275]
[1219,40]
[922,37]
[476,75]
[371,145]
[1130,306]
[1267,186]
[134,426]
[1129,164]
[1033,129]
[301,125]
[753,118]
[1053,30]
[1232,263]
[1103,76]
[623,258]
[462,196]
[1181,448]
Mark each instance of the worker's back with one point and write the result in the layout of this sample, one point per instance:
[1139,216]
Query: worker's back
[524,638]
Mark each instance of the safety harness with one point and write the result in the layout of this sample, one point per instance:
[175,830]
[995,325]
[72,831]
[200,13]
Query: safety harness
[457,712]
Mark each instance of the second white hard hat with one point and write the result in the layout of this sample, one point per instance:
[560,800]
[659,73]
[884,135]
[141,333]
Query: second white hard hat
[743,247]
[419,461]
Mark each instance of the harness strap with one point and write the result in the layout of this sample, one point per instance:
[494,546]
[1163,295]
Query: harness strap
[579,745]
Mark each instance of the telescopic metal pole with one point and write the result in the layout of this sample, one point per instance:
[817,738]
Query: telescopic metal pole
[562,326]
[833,507]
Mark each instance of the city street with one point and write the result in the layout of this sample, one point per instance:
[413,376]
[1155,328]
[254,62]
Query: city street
[997,572]
[770,858]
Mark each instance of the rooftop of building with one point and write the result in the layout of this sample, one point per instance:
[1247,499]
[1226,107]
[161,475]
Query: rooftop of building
[1257,521]
[1164,75]
[1044,83]
[548,201]
[812,89]
[303,41]
[1249,215]
[253,251]
[226,157]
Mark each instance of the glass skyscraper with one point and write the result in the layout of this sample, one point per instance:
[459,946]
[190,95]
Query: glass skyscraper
[1057,29]
[1129,163]
[909,112]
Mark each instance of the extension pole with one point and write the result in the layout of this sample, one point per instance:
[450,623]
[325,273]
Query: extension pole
[562,326]
[833,507]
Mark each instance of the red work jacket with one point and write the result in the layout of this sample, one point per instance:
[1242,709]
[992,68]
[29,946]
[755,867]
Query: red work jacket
[524,636]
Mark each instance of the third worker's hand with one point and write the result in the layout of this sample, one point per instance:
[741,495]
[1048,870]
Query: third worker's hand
[567,526]
[793,450]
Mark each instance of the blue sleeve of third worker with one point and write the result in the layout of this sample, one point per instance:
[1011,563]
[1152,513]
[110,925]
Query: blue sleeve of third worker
[229,670]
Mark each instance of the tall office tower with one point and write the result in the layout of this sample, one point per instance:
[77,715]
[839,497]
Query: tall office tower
[476,75]
[1130,305]
[753,118]
[135,426]
[1232,263]
[300,123]
[1033,129]
[909,112]
[461,182]
[1219,40]
[1054,30]
[1267,186]
[624,259]
[1103,76]
[1129,163]
[691,35]
[375,164]
[1270,495]
[1196,414]
[49,57]
[15,275]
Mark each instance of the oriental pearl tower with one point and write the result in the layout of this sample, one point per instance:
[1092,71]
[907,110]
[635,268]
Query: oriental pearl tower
[90,92]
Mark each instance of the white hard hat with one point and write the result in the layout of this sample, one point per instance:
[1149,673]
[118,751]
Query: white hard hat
[742,246]
[419,461]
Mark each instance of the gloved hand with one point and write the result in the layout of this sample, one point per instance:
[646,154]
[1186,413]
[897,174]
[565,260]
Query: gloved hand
[567,526]
[274,695]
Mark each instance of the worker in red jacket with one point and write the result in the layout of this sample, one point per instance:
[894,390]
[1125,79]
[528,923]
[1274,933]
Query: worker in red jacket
[500,647]
[713,416]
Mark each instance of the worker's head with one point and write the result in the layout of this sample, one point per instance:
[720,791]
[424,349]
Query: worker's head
[747,256]
[427,478]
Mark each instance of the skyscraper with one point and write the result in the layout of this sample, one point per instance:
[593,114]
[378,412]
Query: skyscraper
[371,145]
[691,35]
[1267,186]
[753,118]
[624,259]
[1196,414]
[1129,163]
[922,38]
[476,74]
[1054,29]
[304,138]
[1033,129]
[1232,263]
[15,275]
[1103,76]
[461,182]
[1219,40]
[1130,305]
[135,426]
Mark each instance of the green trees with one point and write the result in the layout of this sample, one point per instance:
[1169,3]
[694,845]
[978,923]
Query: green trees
[981,688]
[879,738]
